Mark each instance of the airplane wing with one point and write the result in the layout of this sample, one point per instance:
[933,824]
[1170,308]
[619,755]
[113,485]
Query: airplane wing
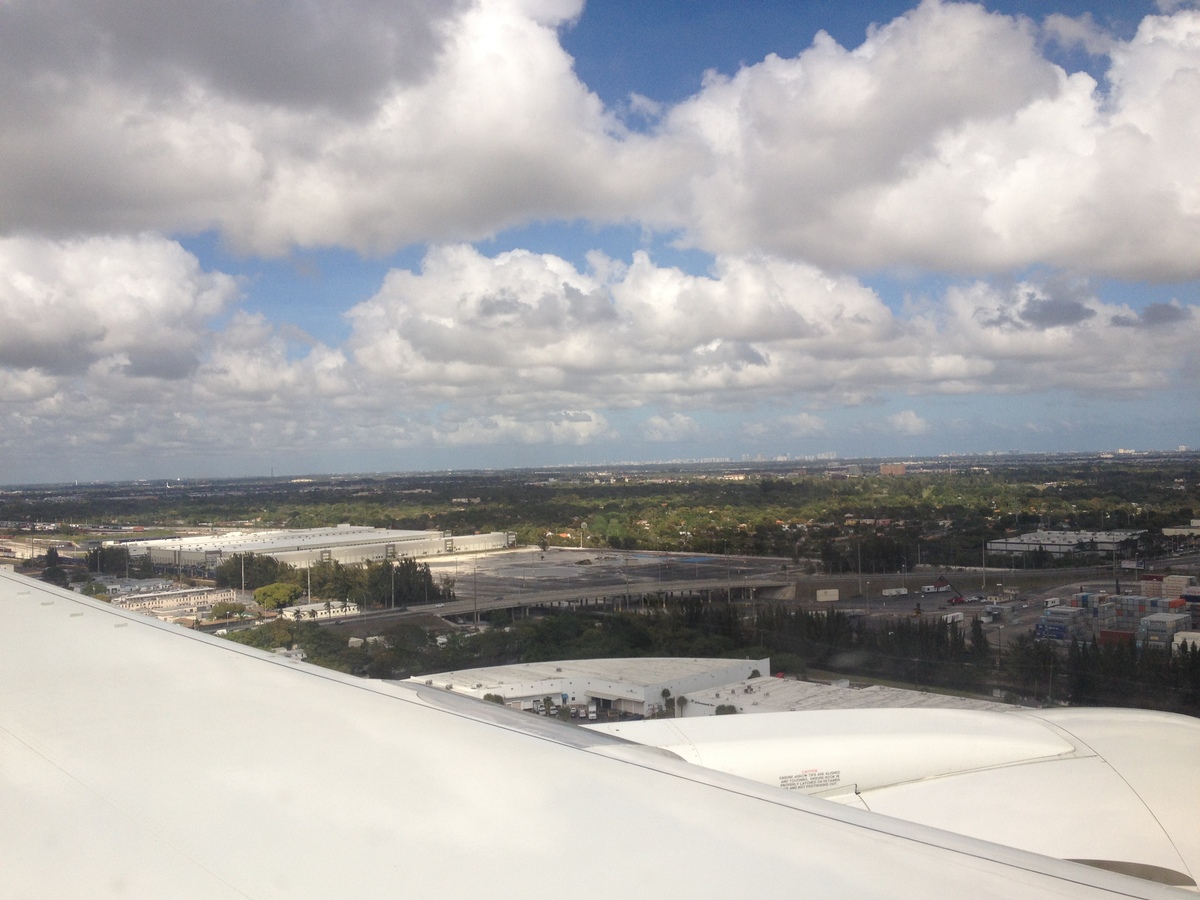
[139,759]
[1115,787]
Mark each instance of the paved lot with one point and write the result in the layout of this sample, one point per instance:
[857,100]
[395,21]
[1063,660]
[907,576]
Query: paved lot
[524,571]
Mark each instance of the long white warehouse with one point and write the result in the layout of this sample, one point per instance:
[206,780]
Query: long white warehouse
[348,544]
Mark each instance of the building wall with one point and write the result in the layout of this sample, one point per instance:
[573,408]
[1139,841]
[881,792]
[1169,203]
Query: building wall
[174,599]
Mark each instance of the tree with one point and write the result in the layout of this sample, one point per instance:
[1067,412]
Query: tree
[94,589]
[1031,663]
[55,575]
[260,571]
[274,596]
[108,560]
[979,644]
[226,610]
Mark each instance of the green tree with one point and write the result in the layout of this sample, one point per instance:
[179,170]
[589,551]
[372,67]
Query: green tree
[279,594]
[979,644]
[227,610]
[260,571]
[54,573]
[109,560]
[94,589]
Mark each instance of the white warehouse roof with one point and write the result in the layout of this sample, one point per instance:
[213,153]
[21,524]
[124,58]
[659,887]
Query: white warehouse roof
[269,542]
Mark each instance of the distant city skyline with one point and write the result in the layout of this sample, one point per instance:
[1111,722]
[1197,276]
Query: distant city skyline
[525,233]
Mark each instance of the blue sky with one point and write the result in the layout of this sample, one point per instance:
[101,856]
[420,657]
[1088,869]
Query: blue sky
[533,232]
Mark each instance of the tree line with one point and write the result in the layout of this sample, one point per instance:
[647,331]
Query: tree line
[375,584]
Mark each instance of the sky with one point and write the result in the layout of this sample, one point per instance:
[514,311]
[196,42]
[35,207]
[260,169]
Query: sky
[317,236]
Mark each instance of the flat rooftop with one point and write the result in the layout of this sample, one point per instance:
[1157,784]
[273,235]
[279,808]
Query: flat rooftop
[643,671]
[789,695]
[291,539]
[765,694]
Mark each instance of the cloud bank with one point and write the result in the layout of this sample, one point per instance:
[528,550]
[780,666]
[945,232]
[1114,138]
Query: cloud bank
[947,143]
[522,348]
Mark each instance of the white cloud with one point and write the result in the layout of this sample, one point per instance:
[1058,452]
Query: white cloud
[1079,31]
[947,141]
[521,332]
[523,348]
[671,428]
[391,126]
[803,424]
[907,423]
[139,304]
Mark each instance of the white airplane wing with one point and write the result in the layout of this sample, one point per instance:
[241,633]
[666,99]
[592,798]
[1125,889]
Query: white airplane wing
[1115,787]
[141,760]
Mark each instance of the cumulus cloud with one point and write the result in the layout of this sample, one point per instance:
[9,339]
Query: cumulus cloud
[362,124]
[671,428]
[803,424]
[1156,315]
[141,304]
[340,55]
[945,142]
[536,331]
[522,349]
[948,141]
[519,332]
[1079,31]
[907,423]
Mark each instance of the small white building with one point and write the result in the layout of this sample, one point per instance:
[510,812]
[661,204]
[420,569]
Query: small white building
[323,609]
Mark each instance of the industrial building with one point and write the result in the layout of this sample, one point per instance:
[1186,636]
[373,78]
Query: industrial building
[1060,543]
[633,687]
[347,544]
[697,687]
[1192,530]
